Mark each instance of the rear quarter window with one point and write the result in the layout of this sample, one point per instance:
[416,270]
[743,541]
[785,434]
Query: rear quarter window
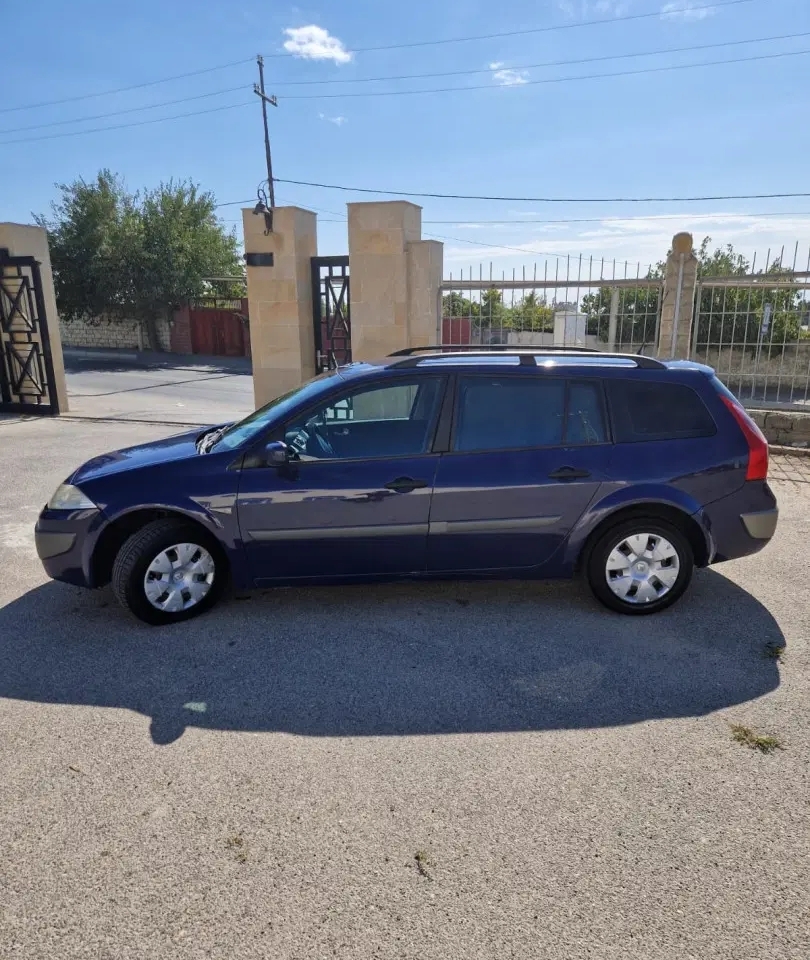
[649,410]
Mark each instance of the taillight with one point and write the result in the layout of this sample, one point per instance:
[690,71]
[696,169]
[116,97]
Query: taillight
[757,444]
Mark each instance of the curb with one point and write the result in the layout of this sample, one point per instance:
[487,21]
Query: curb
[77,417]
[81,354]
[780,451]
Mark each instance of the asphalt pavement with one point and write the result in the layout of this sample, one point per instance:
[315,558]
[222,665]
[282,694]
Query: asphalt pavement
[403,771]
[190,390]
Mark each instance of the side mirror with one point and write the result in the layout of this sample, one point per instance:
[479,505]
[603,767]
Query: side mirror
[277,454]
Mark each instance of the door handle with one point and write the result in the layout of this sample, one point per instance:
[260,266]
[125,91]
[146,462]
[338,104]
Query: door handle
[405,485]
[569,473]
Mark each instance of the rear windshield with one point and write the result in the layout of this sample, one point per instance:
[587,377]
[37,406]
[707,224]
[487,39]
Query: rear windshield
[647,410]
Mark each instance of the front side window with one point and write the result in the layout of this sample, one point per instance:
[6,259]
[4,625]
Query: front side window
[502,413]
[384,420]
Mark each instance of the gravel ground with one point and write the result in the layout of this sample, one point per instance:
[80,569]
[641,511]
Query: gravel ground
[406,771]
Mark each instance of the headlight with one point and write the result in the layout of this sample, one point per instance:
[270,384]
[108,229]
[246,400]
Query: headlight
[68,497]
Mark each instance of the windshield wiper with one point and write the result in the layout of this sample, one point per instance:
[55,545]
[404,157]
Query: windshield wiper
[208,439]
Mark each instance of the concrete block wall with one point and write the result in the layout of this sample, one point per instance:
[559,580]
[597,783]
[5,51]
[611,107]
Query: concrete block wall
[112,335]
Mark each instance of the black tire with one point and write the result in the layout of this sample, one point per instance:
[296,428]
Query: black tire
[607,542]
[135,556]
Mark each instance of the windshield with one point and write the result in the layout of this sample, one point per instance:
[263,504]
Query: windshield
[239,433]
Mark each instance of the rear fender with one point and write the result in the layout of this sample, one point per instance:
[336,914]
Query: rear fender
[622,497]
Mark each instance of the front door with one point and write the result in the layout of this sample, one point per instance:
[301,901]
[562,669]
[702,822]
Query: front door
[355,500]
[528,453]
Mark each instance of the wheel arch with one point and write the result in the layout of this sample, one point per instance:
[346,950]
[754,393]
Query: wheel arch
[654,509]
[119,530]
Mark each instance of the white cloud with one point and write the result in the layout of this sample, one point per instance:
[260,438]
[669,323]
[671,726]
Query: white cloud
[314,43]
[588,9]
[508,78]
[685,10]
[636,240]
[338,121]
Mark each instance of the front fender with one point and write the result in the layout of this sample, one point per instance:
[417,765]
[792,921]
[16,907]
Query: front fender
[216,515]
[619,497]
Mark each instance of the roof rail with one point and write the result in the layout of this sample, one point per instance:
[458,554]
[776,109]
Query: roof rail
[412,356]
[494,347]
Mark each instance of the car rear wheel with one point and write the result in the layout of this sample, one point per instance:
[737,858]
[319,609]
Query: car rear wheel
[168,571]
[640,566]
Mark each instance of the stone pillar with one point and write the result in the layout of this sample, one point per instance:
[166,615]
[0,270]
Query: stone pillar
[678,300]
[395,277]
[425,264]
[282,339]
[24,240]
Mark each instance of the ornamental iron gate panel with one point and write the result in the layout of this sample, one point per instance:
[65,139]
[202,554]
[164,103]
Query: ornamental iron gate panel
[26,366]
[330,312]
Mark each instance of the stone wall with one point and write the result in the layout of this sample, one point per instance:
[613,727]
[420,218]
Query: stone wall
[113,335]
[783,428]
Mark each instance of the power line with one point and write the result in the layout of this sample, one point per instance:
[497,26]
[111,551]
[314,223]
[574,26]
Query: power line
[121,126]
[547,63]
[550,80]
[663,216]
[530,83]
[465,196]
[396,46]
[519,33]
[640,219]
[116,113]
[134,86]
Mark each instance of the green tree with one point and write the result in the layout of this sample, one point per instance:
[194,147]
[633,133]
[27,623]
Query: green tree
[455,305]
[531,314]
[118,255]
[494,317]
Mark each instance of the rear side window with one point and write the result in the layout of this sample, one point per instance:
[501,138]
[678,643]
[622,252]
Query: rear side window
[645,410]
[505,413]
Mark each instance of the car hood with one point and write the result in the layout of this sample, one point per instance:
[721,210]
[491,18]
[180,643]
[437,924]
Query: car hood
[180,447]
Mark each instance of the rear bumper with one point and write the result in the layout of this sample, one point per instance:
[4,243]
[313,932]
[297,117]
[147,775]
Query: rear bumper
[762,524]
[742,523]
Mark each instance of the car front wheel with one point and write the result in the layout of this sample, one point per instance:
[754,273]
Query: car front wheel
[168,571]
[640,566]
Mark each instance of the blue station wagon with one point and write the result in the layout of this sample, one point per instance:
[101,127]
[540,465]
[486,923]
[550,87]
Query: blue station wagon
[432,463]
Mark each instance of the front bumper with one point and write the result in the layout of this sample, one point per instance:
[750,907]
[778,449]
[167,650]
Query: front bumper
[64,540]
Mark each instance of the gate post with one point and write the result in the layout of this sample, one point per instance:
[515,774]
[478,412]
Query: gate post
[678,299]
[395,279]
[25,240]
[279,288]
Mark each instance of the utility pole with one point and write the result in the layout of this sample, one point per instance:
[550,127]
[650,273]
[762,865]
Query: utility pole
[258,89]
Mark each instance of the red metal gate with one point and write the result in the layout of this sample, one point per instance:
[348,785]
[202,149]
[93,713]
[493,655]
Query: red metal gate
[217,332]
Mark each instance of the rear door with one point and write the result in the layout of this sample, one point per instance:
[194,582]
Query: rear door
[527,456]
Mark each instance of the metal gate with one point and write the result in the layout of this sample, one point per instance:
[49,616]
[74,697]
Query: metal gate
[330,312]
[26,367]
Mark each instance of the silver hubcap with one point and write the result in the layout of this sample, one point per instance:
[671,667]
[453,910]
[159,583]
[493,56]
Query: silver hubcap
[179,577]
[642,568]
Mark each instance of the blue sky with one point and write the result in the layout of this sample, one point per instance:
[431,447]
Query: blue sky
[727,129]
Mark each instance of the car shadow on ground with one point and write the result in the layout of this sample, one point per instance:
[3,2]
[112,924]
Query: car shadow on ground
[394,660]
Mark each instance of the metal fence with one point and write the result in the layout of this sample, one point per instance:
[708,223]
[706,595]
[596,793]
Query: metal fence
[568,302]
[753,327]
[752,324]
